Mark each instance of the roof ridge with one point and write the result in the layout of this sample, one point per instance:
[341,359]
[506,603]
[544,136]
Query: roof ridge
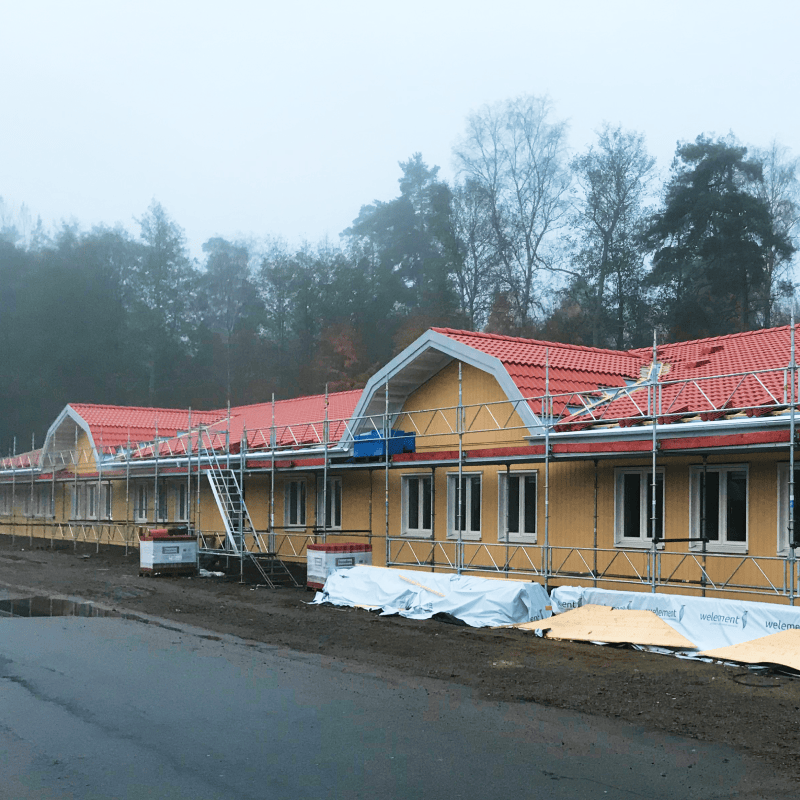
[539,342]
[721,337]
[294,399]
[142,408]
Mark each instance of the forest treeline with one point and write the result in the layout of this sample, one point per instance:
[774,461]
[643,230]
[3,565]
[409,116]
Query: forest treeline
[590,248]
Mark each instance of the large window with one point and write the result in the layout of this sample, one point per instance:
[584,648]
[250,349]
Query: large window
[332,498]
[417,505]
[464,506]
[719,507]
[517,507]
[633,506]
[294,504]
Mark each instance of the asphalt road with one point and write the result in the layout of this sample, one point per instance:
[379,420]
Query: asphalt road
[111,708]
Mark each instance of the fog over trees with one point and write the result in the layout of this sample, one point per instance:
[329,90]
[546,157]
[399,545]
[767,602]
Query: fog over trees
[530,239]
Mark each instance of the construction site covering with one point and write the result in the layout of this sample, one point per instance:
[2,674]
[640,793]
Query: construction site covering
[477,602]
[706,622]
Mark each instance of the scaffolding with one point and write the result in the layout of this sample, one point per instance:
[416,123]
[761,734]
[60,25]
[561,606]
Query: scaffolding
[571,426]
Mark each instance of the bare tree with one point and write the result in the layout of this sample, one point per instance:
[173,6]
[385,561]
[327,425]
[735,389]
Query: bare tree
[780,190]
[476,271]
[517,156]
[613,177]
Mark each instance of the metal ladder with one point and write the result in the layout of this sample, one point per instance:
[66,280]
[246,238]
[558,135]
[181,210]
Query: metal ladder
[238,525]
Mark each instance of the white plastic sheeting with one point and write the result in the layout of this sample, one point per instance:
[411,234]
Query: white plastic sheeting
[706,621]
[478,602]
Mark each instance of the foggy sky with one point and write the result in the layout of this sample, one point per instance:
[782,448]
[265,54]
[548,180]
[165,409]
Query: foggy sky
[265,119]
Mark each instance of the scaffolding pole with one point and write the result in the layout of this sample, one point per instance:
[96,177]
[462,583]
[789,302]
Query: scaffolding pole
[386,467]
[272,442]
[793,394]
[240,520]
[546,419]
[325,432]
[460,488]
[652,397]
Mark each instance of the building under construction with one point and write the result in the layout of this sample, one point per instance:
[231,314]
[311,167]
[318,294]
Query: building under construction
[666,468]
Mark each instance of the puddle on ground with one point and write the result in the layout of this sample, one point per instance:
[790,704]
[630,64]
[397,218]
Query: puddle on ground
[40,606]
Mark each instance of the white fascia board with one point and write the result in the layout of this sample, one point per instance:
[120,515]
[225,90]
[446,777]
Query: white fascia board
[67,413]
[673,430]
[457,351]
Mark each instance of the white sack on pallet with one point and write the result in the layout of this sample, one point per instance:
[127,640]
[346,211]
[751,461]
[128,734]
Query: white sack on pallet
[478,602]
[708,622]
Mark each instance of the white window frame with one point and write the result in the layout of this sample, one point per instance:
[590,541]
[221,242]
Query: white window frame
[783,506]
[722,545]
[503,534]
[334,500]
[141,501]
[421,478]
[643,540]
[471,478]
[90,509]
[161,509]
[180,500]
[300,506]
[106,500]
[43,501]
[77,500]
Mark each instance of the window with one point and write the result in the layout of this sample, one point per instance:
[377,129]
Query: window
[719,507]
[633,506]
[417,497]
[106,500]
[181,494]
[43,502]
[91,501]
[517,507]
[333,504]
[5,501]
[162,502]
[294,504]
[783,507]
[78,501]
[140,498]
[465,514]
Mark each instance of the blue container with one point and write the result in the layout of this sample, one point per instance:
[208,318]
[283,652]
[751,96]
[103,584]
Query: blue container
[372,444]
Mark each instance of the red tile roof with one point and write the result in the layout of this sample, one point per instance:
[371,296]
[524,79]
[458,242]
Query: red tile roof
[571,368]
[739,371]
[21,460]
[299,421]
[114,426]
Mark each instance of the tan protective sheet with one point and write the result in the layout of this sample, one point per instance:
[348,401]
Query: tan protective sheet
[777,648]
[593,623]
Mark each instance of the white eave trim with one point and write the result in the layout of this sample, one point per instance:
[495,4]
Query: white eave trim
[68,413]
[672,430]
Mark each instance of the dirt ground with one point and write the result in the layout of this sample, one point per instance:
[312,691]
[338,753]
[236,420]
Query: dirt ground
[758,714]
